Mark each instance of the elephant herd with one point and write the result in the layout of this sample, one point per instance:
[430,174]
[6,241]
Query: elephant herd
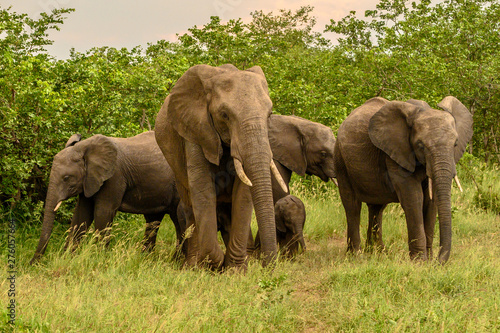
[217,154]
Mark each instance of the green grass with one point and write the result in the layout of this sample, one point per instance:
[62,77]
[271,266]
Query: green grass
[120,289]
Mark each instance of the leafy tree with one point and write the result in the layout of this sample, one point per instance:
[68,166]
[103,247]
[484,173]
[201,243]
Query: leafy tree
[30,109]
[421,50]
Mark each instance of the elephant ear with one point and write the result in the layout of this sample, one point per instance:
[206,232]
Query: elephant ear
[422,104]
[258,70]
[73,140]
[188,109]
[279,217]
[287,143]
[229,67]
[463,122]
[389,130]
[100,154]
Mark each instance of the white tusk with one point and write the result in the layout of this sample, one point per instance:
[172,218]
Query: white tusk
[458,183]
[335,181]
[58,205]
[430,188]
[278,177]
[241,173]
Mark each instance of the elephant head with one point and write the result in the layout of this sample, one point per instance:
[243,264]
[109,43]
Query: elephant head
[81,167]
[412,133]
[214,107]
[302,146]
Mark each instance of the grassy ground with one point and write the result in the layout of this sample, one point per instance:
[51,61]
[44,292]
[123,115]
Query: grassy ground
[121,289]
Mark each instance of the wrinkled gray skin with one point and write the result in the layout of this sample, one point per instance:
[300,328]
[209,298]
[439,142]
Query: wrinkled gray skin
[290,215]
[214,118]
[298,145]
[386,152]
[110,175]
[304,147]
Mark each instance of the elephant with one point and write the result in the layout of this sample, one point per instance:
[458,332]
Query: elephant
[290,216]
[211,127]
[109,175]
[298,145]
[394,151]
[301,146]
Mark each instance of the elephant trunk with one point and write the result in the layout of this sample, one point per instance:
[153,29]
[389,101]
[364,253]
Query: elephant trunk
[442,189]
[52,202]
[300,236]
[256,155]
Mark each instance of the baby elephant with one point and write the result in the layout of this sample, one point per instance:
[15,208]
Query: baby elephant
[290,215]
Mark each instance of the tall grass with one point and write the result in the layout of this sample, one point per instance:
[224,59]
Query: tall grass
[121,289]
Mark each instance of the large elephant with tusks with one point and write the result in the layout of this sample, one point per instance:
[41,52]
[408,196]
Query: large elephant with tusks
[392,151]
[212,127]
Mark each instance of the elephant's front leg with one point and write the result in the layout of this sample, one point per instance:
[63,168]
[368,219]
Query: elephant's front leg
[410,195]
[204,206]
[241,217]
[82,219]
[105,209]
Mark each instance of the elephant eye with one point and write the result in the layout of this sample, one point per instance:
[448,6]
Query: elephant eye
[65,178]
[420,145]
[323,154]
[456,143]
[224,115]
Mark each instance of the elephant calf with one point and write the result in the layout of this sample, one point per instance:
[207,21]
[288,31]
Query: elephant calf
[290,216]
[109,175]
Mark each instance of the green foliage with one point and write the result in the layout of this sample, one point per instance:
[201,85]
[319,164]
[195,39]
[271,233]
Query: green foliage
[31,114]
[399,50]
[428,51]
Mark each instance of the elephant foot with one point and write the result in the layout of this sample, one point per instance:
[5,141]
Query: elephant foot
[237,265]
[353,249]
[213,260]
[190,262]
[418,255]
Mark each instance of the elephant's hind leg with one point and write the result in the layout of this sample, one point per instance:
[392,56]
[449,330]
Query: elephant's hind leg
[352,207]
[153,222]
[374,231]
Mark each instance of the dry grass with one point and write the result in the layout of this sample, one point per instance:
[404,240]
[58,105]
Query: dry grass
[120,289]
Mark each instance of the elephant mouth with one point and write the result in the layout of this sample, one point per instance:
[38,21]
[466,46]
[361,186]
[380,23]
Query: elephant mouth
[323,176]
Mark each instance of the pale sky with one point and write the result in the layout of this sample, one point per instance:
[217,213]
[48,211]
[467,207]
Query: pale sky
[129,23]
